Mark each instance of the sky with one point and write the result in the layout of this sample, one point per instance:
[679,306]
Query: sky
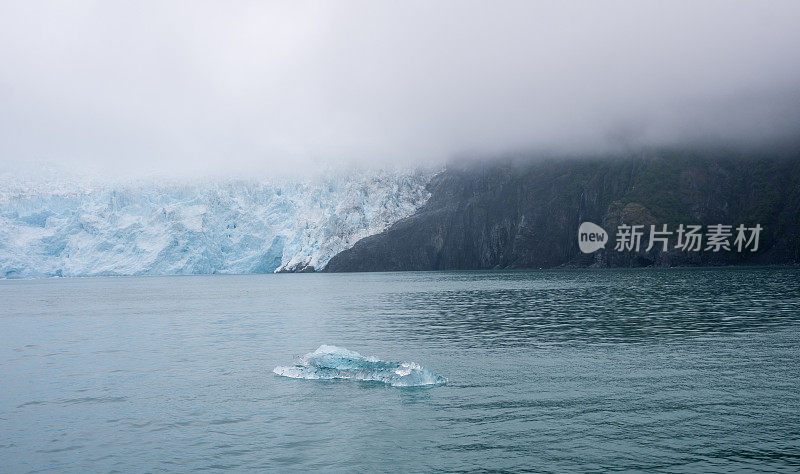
[269,87]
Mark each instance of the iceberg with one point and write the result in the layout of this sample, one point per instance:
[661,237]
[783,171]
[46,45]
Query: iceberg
[331,362]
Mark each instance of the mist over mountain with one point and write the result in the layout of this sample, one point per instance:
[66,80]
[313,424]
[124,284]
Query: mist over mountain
[525,213]
[531,106]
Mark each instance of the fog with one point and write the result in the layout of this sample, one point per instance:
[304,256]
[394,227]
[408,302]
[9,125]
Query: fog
[256,87]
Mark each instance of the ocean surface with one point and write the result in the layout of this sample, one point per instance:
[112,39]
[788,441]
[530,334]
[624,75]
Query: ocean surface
[673,370]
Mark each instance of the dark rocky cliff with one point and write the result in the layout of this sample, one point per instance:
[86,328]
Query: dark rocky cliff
[517,214]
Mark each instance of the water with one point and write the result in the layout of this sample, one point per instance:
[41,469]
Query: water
[672,369]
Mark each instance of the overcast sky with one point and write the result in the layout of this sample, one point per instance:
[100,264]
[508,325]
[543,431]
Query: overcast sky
[259,86]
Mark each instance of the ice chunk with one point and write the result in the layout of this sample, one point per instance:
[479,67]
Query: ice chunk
[331,362]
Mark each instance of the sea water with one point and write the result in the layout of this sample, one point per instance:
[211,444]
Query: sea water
[585,370]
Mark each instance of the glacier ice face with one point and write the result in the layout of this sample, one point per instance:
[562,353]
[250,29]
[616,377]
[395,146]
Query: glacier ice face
[331,362]
[58,227]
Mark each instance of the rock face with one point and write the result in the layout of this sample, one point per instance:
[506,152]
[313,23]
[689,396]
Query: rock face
[518,214]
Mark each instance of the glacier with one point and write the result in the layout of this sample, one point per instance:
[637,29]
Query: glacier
[51,225]
[331,362]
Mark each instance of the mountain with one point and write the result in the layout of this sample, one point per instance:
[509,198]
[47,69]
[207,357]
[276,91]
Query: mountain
[51,225]
[519,213]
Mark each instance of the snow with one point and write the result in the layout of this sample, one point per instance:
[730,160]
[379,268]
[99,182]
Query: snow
[56,226]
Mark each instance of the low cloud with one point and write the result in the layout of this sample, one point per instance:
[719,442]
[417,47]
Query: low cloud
[242,87]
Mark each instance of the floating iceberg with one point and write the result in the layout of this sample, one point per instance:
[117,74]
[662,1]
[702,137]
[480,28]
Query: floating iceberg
[331,362]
